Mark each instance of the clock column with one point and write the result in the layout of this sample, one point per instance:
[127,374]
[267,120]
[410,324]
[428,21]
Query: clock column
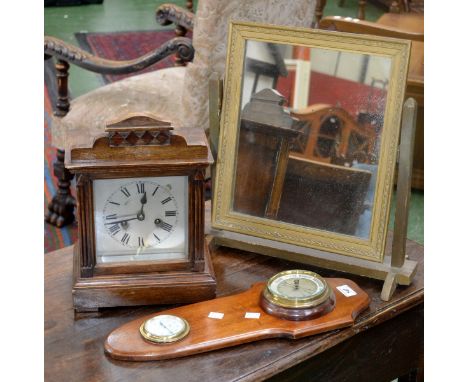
[84,198]
[197,217]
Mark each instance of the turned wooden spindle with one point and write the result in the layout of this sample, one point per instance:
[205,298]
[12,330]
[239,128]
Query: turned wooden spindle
[395,7]
[180,31]
[362,10]
[319,11]
[63,103]
[61,208]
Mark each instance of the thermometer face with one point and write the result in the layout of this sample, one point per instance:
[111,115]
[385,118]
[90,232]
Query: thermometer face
[164,328]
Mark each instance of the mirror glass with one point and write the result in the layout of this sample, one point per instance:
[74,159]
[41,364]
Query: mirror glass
[309,136]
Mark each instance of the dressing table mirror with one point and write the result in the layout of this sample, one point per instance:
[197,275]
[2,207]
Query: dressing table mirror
[308,141]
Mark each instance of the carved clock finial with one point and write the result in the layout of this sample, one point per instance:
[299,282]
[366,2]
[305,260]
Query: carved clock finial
[139,130]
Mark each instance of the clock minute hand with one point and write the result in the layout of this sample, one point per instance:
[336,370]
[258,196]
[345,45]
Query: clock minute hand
[123,216]
[122,221]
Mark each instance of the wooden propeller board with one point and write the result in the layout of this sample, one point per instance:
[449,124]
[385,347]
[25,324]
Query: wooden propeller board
[206,334]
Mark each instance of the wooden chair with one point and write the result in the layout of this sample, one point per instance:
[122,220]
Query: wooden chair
[178,94]
[393,6]
[408,26]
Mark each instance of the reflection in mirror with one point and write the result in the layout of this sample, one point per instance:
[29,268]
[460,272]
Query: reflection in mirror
[310,127]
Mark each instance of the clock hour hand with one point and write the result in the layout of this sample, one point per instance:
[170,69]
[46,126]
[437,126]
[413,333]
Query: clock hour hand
[163,225]
[141,214]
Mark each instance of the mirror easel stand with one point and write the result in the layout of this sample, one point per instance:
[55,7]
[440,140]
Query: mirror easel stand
[396,269]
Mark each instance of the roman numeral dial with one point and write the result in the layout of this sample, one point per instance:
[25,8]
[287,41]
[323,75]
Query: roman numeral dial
[143,215]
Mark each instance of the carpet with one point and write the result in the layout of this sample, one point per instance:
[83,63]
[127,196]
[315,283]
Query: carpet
[127,46]
[115,46]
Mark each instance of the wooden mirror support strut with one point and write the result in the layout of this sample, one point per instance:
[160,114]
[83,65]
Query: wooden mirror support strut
[396,268]
[405,166]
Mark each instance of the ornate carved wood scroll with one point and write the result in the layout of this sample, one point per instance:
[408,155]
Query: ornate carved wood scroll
[167,14]
[181,46]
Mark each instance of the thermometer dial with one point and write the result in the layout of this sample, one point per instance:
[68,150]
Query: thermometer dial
[164,328]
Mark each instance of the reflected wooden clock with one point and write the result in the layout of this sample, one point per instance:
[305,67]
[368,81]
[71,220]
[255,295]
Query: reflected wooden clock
[140,208]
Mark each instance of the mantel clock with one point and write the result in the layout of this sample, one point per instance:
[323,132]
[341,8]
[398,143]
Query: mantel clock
[140,208]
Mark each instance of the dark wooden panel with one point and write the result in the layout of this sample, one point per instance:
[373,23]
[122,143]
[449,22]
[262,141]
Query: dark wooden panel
[392,355]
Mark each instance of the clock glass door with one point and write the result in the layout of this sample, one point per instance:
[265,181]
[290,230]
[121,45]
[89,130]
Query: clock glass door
[141,219]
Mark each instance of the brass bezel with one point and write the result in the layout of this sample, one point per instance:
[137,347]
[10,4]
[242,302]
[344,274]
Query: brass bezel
[223,216]
[164,339]
[298,302]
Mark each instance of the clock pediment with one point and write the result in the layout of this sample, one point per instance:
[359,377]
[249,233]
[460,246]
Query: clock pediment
[140,140]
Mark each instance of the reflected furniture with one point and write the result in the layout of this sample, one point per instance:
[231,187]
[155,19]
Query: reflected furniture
[265,138]
[408,26]
[386,341]
[332,135]
[272,181]
[178,95]
[324,190]
[393,6]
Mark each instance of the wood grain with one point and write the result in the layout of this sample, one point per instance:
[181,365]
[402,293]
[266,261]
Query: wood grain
[208,334]
[132,286]
[385,341]
[161,151]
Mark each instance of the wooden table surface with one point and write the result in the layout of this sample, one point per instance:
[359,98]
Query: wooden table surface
[385,342]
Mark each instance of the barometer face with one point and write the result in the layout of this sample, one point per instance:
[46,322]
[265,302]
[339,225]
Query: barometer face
[297,288]
[164,328]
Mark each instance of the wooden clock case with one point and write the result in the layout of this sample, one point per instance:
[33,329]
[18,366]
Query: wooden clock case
[140,146]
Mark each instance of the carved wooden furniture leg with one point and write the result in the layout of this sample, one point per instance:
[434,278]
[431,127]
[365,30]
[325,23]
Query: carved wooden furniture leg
[61,208]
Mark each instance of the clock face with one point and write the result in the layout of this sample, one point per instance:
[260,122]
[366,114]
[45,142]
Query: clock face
[140,219]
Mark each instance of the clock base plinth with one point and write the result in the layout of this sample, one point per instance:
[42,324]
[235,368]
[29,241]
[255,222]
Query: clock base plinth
[158,288]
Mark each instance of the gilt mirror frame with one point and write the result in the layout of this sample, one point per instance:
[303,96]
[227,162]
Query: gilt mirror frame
[223,215]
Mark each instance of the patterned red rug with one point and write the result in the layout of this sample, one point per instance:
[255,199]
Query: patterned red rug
[115,46]
[126,46]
